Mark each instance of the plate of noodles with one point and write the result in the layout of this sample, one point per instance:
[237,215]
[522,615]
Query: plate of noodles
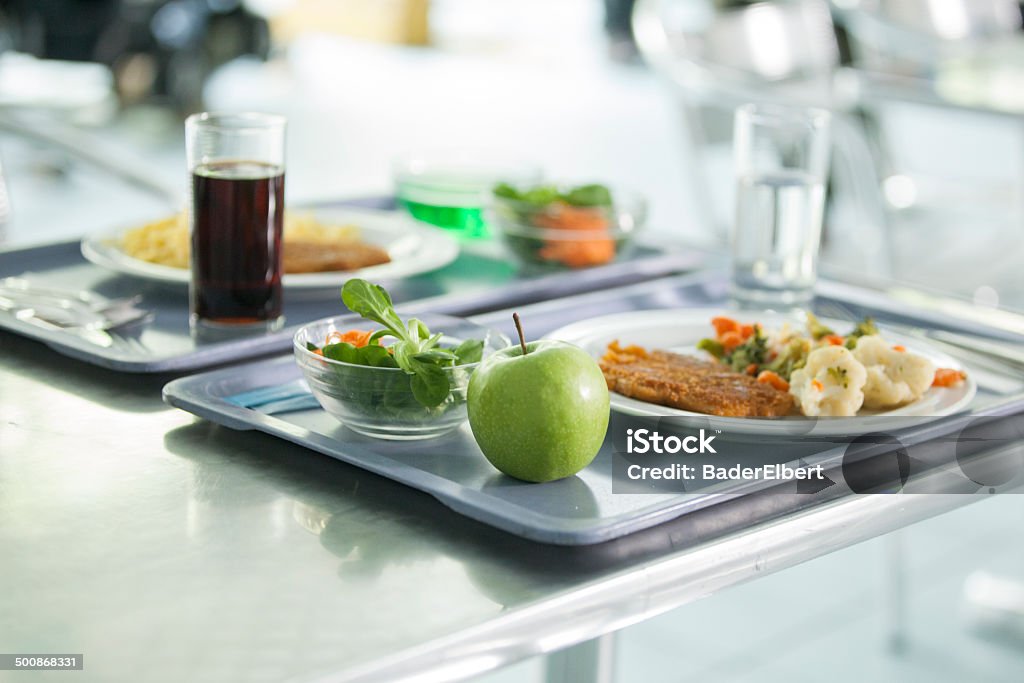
[322,248]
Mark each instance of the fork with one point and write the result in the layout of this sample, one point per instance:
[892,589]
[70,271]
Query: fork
[19,289]
[105,319]
[69,309]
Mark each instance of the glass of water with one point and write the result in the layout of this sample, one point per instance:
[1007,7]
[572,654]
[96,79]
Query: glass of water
[782,161]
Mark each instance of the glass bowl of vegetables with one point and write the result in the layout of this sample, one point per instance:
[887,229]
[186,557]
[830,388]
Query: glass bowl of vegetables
[566,227]
[390,377]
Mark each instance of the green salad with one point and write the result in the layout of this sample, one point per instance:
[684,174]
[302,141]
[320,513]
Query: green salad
[427,364]
[592,195]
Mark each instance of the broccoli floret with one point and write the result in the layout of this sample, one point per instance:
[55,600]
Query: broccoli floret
[713,347]
[815,328]
[865,328]
[792,358]
[753,351]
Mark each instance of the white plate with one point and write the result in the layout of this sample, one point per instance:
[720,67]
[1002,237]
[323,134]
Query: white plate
[413,249]
[679,330]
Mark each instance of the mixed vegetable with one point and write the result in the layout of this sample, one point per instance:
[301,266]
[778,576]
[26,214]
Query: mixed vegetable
[584,209]
[746,348]
[822,332]
[406,345]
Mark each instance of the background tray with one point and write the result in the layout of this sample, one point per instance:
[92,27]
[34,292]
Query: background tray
[578,510]
[481,279]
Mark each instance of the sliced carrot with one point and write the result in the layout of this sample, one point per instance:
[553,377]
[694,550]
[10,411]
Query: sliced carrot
[834,340]
[723,325]
[616,353]
[899,347]
[630,350]
[818,386]
[746,331]
[318,352]
[730,340]
[772,379]
[948,377]
[752,370]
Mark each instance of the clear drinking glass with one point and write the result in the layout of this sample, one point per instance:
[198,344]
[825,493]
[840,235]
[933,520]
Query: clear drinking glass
[782,161]
[236,216]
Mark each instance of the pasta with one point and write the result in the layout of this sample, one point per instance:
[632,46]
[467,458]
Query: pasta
[166,242]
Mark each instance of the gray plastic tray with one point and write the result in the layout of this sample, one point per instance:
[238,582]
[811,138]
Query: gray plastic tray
[479,280]
[578,510]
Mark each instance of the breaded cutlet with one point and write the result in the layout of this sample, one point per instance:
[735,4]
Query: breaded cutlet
[688,383]
[316,257]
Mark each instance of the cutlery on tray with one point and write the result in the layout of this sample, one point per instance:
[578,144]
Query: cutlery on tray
[59,309]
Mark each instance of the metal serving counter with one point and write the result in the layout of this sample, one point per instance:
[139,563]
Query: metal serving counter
[166,548]
[163,547]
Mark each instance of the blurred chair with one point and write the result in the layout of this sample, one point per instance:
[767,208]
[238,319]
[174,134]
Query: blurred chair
[5,208]
[965,54]
[719,56]
[916,34]
[959,57]
[159,51]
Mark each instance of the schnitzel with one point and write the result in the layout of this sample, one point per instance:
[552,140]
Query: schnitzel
[688,383]
[313,257]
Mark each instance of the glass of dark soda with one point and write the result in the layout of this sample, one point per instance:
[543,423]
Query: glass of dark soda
[236,216]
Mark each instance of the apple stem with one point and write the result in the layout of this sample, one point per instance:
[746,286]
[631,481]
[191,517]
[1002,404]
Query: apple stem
[519,329]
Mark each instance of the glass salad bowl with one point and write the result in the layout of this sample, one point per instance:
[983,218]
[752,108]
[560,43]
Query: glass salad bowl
[557,234]
[379,401]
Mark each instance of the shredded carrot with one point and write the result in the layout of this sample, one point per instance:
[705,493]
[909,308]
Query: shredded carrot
[723,325]
[834,340]
[357,338]
[566,217]
[578,254]
[318,352]
[899,347]
[818,386]
[772,379]
[592,249]
[752,370]
[948,377]
[730,340]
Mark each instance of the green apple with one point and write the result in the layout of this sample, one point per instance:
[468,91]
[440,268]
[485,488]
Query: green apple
[541,415]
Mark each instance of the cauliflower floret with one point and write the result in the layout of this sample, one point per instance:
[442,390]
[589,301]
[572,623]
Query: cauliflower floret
[830,384]
[894,377]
